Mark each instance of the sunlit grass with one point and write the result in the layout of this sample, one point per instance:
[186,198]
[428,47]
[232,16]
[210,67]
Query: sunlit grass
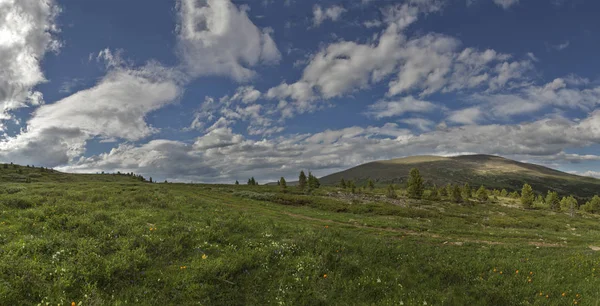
[135,243]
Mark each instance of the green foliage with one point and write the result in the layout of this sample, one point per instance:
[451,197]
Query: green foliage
[237,183]
[302,180]
[252,182]
[370,185]
[553,200]
[313,181]
[391,192]
[456,194]
[129,243]
[482,194]
[433,194]
[415,186]
[568,204]
[592,206]
[351,186]
[503,193]
[527,196]
[466,192]
[282,184]
[343,183]
[442,192]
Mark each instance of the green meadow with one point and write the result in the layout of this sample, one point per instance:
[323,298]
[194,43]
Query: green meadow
[136,243]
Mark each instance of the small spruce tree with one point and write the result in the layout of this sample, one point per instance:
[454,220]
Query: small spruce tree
[527,196]
[236,182]
[313,181]
[343,183]
[352,186]
[482,194]
[391,192]
[302,180]
[282,184]
[552,200]
[456,194]
[467,192]
[449,189]
[415,186]
[592,206]
[370,185]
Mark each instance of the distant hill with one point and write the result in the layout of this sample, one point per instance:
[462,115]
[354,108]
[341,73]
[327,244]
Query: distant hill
[488,170]
[13,173]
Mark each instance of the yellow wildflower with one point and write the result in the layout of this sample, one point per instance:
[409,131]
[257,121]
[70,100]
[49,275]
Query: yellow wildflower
[204,256]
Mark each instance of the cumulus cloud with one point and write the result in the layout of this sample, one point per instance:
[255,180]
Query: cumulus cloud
[383,109]
[239,107]
[419,123]
[217,38]
[562,93]
[223,156]
[420,65]
[469,115]
[113,109]
[333,12]
[27,29]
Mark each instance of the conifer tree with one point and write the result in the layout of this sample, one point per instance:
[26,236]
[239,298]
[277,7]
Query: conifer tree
[527,196]
[482,194]
[352,186]
[449,189]
[415,186]
[552,200]
[343,183]
[313,181]
[466,191]
[391,192]
[236,182]
[593,205]
[370,185]
[302,180]
[282,184]
[456,194]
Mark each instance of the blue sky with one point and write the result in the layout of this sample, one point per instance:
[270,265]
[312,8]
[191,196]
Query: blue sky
[218,90]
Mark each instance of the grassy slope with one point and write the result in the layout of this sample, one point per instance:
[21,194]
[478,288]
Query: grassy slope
[19,174]
[491,171]
[234,245]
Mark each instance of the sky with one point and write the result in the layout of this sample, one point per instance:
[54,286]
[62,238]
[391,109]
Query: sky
[221,90]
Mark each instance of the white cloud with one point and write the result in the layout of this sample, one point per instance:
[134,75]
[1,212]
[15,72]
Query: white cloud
[590,173]
[420,123]
[425,64]
[68,86]
[384,109]
[217,38]
[560,93]
[333,12]
[27,29]
[469,115]
[223,156]
[505,4]
[113,109]
[372,23]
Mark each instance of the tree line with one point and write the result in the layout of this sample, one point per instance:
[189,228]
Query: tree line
[415,189]
[305,183]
